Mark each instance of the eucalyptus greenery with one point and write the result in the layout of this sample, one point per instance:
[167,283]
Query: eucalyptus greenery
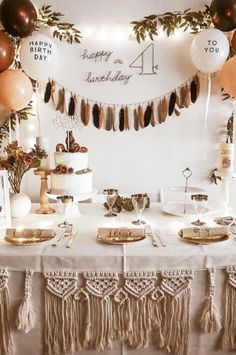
[21,115]
[61,30]
[171,21]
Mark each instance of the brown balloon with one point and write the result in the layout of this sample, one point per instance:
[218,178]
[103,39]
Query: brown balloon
[7,52]
[233,41]
[223,13]
[228,76]
[18,17]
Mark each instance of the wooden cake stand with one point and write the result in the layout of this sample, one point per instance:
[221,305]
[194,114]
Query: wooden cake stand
[44,200]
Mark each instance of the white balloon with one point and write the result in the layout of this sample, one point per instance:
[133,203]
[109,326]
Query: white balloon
[39,56]
[209,50]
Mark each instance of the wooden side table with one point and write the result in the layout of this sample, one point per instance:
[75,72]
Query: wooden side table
[44,201]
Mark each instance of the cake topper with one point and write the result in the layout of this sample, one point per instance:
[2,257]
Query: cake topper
[71,145]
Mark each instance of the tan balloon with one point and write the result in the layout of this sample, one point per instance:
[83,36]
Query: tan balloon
[228,76]
[4,115]
[16,89]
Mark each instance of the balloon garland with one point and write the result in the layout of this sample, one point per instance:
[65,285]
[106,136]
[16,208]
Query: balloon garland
[19,19]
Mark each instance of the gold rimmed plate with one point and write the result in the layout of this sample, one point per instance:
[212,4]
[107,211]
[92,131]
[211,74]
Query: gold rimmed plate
[119,236]
[26,237]
[211,240]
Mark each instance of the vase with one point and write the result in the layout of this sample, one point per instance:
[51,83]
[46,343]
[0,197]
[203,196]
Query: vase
[20,205]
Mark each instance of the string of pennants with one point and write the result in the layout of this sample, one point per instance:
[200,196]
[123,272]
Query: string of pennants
[122,117]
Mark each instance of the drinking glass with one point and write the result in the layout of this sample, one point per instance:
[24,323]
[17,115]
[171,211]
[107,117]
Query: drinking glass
[111,196]
[64,204]
[200,205]
[139,202]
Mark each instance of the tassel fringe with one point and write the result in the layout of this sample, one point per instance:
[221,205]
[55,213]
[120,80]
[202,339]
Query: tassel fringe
[210,321]
[26,314]
[6,344]
[229,335]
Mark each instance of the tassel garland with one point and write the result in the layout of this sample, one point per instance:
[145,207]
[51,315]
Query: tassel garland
[144,114]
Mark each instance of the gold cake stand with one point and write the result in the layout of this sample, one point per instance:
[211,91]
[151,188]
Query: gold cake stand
[44,200]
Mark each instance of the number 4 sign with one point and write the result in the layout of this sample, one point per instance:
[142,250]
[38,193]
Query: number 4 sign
[146,61]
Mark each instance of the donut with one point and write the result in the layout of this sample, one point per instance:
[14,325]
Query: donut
[60,148]
[75,148]
[83,150]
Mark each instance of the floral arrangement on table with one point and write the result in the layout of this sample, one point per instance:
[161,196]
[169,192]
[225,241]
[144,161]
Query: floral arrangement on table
[17,161]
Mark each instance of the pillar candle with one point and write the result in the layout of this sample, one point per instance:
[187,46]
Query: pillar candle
[42,142]
[225,160]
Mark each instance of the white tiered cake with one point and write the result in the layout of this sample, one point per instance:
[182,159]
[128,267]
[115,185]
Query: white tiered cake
[71,175]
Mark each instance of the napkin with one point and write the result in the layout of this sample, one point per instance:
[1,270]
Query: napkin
[203,232]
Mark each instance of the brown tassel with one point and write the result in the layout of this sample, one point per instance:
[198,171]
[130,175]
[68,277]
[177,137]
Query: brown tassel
[197,82]
[178,103]
[147,116]
[47,94]
[182,96]
[126,118]
[121,119]
[71,108]
[96,114]
[172,102]
[61,101]
[101,117]
[187,96]
[82,110]
[114,127]
[152,121]
[177,112]
[162,110]
[109,119]
[53,90]
[87,114]
[193,91]
[136,120]
[141,117]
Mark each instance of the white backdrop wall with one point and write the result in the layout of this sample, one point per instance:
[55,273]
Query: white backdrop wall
[154,157]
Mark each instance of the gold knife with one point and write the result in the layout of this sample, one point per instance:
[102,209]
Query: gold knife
[72,238]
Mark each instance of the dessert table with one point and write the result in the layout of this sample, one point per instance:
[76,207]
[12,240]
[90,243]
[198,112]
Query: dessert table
[94,261]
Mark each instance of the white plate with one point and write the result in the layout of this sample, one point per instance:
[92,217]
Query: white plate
[191,190]
[78,198]
[177,209]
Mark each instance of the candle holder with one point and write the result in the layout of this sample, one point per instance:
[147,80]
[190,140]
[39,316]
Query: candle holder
[44,201]
[226,177]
